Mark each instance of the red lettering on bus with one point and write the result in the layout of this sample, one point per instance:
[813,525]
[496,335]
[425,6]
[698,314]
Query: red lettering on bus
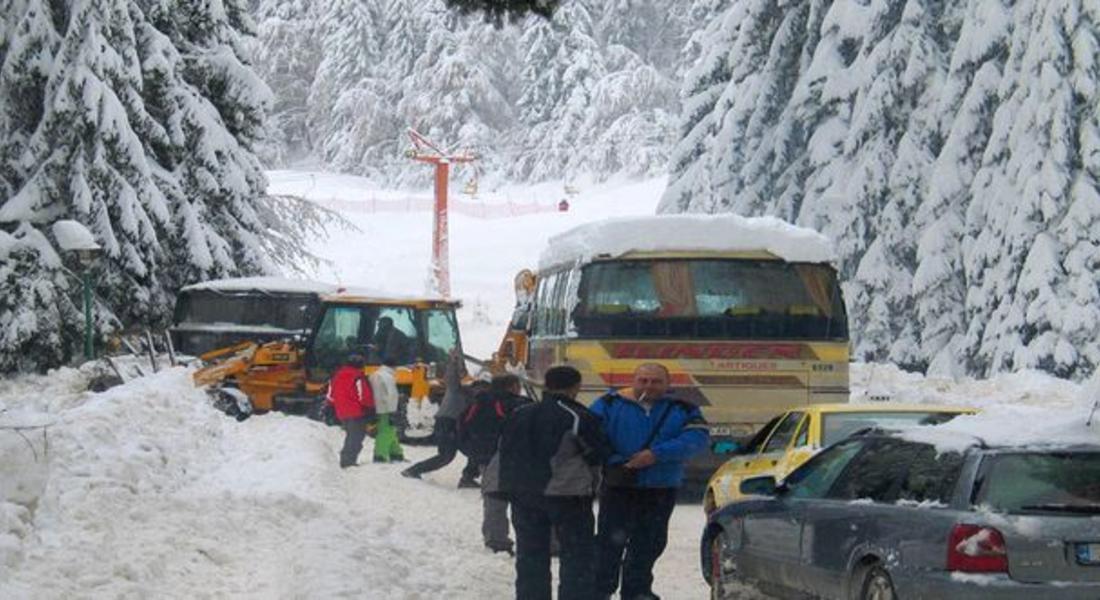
[713,351]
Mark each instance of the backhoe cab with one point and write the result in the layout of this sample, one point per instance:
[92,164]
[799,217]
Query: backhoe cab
[292,375]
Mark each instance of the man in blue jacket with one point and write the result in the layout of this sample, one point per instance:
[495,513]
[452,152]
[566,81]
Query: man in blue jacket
[652,435]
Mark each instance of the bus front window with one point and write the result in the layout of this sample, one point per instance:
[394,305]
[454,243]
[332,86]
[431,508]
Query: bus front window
[709,298]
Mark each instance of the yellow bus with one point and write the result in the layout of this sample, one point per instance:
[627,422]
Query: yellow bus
[747,315]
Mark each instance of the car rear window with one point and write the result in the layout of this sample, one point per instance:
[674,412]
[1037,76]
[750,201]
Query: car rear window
[837,426]
[1060,482]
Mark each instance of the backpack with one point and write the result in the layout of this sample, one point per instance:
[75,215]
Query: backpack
[480,426]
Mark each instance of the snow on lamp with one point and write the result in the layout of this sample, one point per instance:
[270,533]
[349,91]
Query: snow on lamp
[75,239]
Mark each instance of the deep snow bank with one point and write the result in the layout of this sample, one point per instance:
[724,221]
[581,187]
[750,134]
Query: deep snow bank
[98,453]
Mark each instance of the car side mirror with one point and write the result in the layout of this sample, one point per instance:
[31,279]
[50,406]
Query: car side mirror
[759,486]
[726,448]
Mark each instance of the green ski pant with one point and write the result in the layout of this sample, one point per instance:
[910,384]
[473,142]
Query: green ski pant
[386,446]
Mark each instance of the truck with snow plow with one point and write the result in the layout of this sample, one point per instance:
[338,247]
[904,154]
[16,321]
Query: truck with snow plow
[291,375]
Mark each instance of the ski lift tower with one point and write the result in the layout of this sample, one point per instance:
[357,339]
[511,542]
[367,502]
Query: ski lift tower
[425,151]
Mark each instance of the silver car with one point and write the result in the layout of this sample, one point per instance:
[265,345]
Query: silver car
[878,516]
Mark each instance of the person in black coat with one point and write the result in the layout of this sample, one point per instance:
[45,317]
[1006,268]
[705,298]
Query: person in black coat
[455,401]
[548,466]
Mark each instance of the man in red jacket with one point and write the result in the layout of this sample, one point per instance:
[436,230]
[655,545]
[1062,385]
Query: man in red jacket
[350,395]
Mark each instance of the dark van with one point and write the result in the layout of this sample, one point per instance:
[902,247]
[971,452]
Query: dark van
[219,313]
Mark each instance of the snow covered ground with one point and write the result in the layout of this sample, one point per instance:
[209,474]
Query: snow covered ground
[145,491]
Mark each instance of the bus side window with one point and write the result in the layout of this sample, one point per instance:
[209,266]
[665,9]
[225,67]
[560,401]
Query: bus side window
[558,303]
[543,305]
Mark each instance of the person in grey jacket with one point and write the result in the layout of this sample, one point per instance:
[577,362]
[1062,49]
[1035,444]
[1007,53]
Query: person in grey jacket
[455,401]
[548,466]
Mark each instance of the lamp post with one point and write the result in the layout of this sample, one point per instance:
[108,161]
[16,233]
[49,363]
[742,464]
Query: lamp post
[87,258]
[75,239]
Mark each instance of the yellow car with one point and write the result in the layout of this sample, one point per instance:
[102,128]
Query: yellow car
[791,438]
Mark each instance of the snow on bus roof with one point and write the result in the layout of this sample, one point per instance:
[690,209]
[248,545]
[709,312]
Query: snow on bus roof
[268,284]
[691,232]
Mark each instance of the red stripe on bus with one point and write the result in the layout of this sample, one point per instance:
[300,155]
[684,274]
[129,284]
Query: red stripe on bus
[620,379]
[666,350]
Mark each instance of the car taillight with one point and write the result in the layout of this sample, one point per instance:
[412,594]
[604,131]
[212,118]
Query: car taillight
[976,549]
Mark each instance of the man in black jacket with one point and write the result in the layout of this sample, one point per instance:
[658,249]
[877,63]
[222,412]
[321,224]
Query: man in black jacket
[455,401]
[548,466]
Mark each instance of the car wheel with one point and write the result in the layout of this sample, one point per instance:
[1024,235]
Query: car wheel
[877,585]
[720,586]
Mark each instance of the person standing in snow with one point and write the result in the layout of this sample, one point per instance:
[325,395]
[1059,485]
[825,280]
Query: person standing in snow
[383,383]
[652,434]
[548,466]
[455,401]
[351,398]
[478,436]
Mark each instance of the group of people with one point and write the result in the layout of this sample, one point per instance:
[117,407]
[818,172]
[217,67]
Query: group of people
[357,399]
[551,459]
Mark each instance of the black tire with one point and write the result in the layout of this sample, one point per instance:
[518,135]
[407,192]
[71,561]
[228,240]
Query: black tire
[719,578]
[876,584]
[400,421]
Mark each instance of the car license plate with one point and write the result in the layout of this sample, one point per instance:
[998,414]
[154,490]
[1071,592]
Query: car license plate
[1088,554]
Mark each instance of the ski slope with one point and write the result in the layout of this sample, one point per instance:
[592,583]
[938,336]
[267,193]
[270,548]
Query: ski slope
[144,491]
[392,250]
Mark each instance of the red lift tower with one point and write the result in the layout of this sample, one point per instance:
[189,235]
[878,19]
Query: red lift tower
[425,151]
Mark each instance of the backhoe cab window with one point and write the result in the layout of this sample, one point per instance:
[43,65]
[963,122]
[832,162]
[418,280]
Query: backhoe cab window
[442,335]
[376,332]
[379,332]
[709,298]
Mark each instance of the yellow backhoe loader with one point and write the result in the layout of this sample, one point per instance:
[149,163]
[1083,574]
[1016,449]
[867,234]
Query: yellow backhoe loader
[292,375]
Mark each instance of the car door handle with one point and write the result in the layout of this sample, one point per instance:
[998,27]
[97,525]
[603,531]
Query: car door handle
[775,462]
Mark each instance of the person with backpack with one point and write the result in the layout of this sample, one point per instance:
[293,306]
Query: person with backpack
[548,467]
[383,383]
[478,437]
[351,398]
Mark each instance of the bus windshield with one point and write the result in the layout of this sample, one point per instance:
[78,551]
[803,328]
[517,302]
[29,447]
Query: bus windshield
[709,298]
[255,309]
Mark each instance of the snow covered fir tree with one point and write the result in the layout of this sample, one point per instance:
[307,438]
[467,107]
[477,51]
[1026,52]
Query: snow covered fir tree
[590,92]
[952,150]
[137,119]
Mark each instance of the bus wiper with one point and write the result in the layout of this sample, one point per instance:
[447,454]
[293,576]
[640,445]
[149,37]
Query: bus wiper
[1087,509]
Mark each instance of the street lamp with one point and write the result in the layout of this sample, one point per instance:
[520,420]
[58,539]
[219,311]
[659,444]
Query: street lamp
[75,239]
